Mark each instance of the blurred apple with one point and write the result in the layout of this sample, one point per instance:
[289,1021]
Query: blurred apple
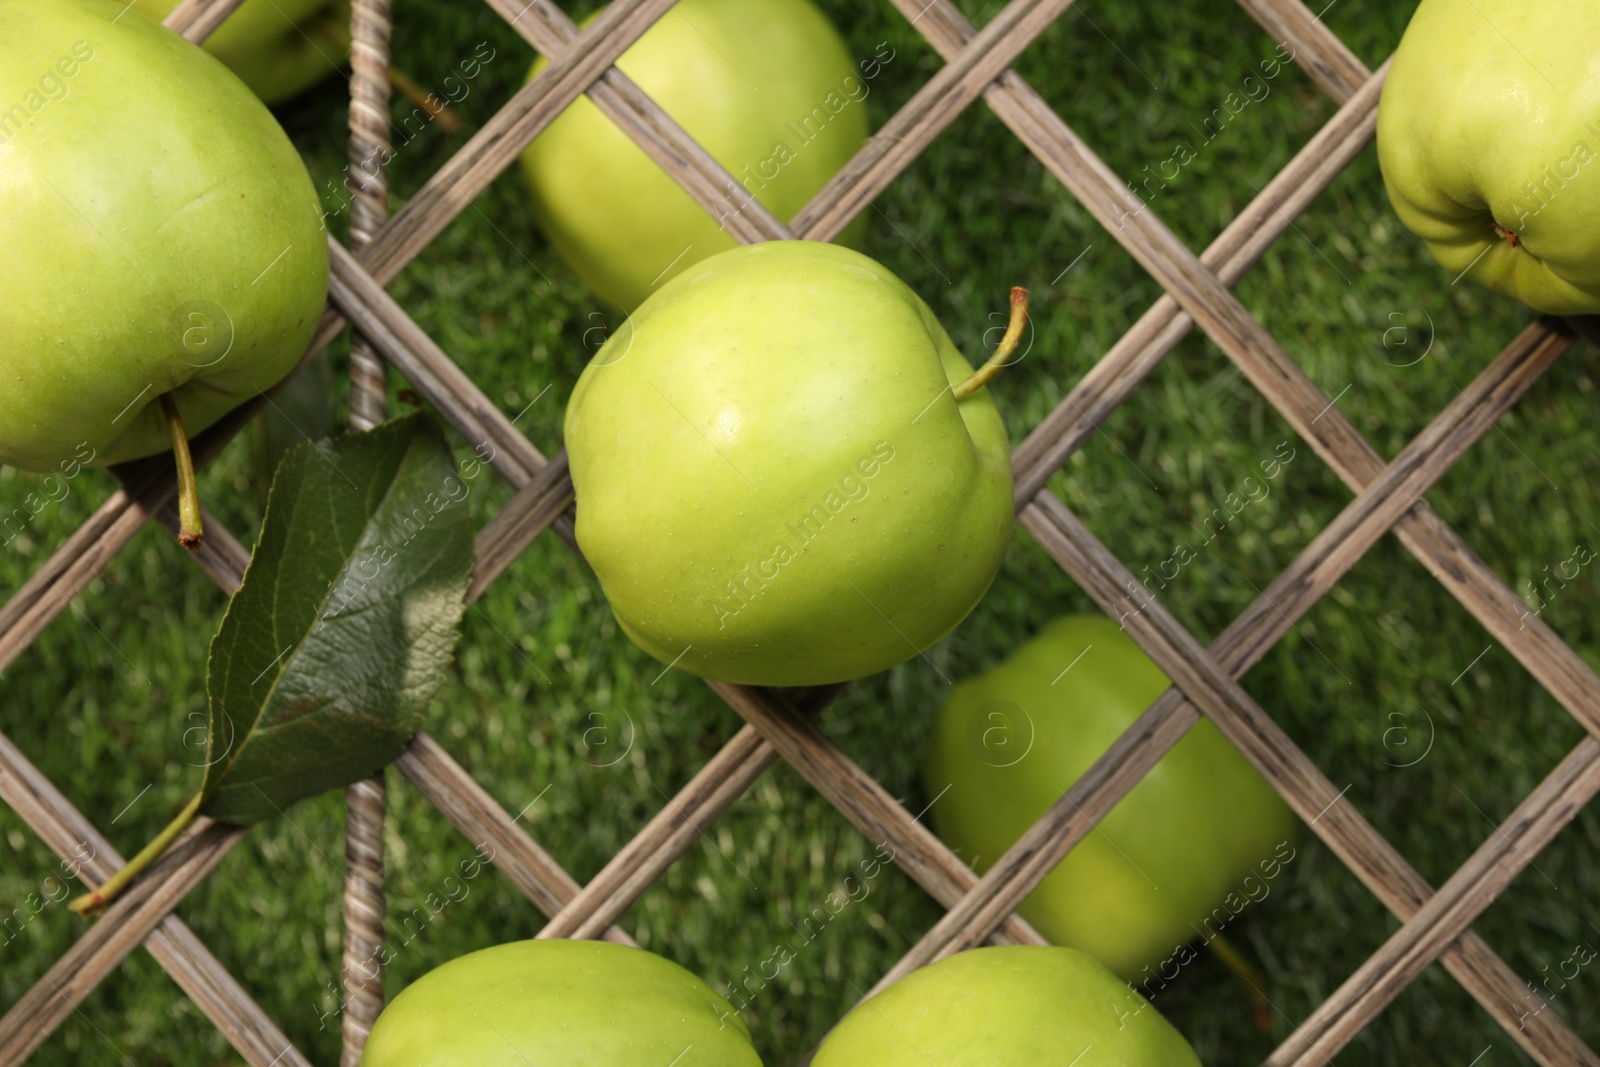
[279,48]
[767,88]
[1201,835]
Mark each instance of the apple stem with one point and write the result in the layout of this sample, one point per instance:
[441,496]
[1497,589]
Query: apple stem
[417,95]
[89,903]
[1002,351]
[190,531]
[1234,960]
[402,83]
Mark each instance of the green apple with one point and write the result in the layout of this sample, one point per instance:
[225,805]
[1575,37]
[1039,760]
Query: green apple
[766,88]
[279,48]
[1004,1007]
[159,236]
[775,482]
[1489,140]
[567,1003]
[1197,839]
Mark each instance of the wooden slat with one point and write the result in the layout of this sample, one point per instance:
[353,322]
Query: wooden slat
[106,943]
[71,567]
[536,507]
[723,780]
[1325,58]
[432,373]
[1137,228]
[1234,252]
[365,903]
[198,19]
[860,798]
[476,814]
[969,69]
[1447,914]
[175,947]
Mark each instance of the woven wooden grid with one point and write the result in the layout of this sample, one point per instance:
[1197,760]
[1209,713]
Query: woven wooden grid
[1435,924]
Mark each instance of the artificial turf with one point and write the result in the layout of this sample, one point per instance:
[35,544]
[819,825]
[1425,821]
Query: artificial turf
[1388,683]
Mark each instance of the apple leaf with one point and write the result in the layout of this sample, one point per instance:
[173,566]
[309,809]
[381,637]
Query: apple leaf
[345,623]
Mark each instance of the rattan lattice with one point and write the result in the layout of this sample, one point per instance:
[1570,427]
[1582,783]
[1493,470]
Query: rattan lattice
[1435,924]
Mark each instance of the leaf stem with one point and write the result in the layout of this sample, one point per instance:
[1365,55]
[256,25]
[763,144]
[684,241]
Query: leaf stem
[1002,351]
[190,533]
[89,903]
[1234,960]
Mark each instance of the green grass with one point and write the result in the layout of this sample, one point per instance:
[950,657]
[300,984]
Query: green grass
[105,700]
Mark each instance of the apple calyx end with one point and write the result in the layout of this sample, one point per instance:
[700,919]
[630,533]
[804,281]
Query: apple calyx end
[1505,235]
